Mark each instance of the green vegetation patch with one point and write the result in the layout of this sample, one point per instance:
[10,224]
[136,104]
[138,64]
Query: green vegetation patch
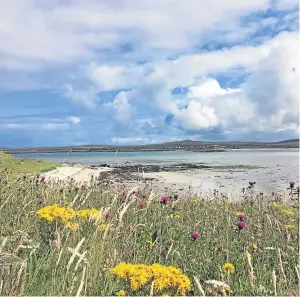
[16,166]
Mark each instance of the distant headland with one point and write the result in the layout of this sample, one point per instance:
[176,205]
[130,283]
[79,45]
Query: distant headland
[184,145]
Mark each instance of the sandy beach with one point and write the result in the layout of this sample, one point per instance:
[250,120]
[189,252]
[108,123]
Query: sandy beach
[190,182]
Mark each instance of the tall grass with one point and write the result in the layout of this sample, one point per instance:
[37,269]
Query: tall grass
[38,257]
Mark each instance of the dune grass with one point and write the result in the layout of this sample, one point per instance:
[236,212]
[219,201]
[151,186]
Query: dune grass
[57,239]
[23,166]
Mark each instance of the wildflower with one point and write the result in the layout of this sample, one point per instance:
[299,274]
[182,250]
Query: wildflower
[239,213]
[291,228]
[292,184]
[195,201]
[195,235]
[121,293]
[141,204]
[41,201]
[254,247]
[241,216]
[241,225]
[164,200]
[174,216]
[163,277]
[71,226]
[151,243]
[76,188]
[298,266]
[288,212]
[42,178]
[228,268]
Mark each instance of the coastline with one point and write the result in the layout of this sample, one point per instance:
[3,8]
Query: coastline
[184,179]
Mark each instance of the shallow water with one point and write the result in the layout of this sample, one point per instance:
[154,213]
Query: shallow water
[280,165]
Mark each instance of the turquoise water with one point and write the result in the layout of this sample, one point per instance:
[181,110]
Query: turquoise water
[288,157]
[280,166]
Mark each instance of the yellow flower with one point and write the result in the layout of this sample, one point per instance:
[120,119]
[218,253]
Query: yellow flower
[229,290]
[163,277]
[174,216]
[254,246]
[298,266]
[288,212]
[71,226]
[291,228]
[228,268]
[195,201]
[165,295]
[238,213]
[152,243]
[121,293]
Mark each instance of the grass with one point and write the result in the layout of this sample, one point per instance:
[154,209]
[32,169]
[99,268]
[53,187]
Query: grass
[23,166]
[43,257]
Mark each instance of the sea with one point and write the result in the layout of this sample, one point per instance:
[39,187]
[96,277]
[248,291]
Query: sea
[279,166]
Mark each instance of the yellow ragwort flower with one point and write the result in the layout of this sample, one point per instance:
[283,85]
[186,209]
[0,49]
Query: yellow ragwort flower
[228,268]
[121,293]
[163,277]
[291,228]
[288,212]
[195,201]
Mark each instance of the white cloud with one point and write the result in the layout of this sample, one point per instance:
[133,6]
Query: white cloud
[75,120]
[126,140]
[123,109]
[62,32]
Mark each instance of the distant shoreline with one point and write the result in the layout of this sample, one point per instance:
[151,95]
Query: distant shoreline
[148,149]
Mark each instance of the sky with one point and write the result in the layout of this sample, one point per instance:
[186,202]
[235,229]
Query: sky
[127,72]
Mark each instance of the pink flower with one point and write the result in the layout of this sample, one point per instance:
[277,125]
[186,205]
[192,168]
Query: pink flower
[164,200]
[292,184]
[42,178]
[141,204]
[76,188]
[241,217]
[195,235]
[241,225]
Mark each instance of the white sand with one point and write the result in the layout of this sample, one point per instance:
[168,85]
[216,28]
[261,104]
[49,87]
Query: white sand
[79,173]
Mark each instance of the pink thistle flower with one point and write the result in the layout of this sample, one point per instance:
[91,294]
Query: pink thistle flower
[292,184]
[241,225]
[141,204]
[76,188]
[164,200]
[195,235]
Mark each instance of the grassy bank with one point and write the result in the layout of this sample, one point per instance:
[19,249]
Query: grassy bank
[58,239]
[16,166]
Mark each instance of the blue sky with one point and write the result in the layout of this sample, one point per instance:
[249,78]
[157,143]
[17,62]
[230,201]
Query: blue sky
[134,72]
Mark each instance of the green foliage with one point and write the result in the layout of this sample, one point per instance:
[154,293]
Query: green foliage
[14,166]
[141,236]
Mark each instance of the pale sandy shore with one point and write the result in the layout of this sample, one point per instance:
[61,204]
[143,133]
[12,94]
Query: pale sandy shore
[190,182]
[79,173]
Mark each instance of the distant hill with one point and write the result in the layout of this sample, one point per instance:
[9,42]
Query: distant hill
[289,141]
[187,145]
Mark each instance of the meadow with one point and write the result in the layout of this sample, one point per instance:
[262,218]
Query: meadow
[57,238]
